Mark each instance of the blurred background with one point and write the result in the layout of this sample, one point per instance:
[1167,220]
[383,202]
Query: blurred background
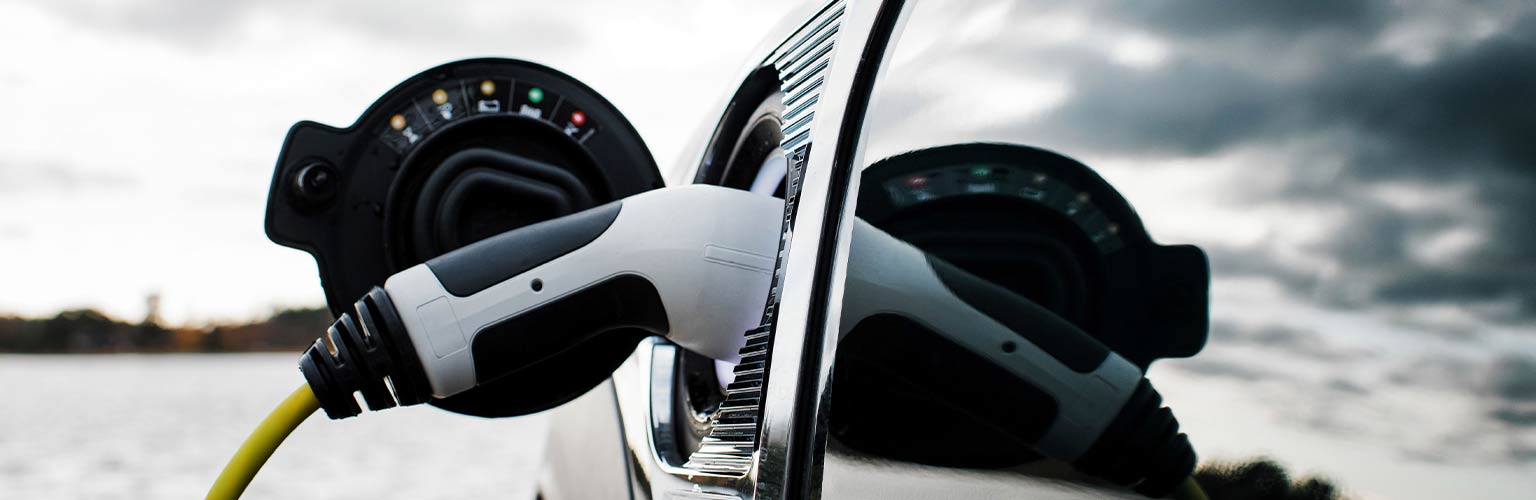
[134,172]
[1363,176]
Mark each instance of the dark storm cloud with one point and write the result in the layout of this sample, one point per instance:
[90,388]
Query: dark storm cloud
[1464,119]
[1465,286]
[1375,247]
[1189,17]
[1511,382]
[1199,108]
[1513,378]
[1289,339]
[1469,108]
[1507,383]
[1514,416]
[1378,234]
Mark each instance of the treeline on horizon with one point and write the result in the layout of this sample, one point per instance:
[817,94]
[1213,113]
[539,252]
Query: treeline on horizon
[90,331]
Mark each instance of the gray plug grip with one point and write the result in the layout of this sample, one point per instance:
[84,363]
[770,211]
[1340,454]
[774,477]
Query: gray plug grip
[1087,384]
[691,263]
[477,266]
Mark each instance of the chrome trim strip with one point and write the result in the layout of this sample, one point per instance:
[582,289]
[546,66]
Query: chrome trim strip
[731,446]
[758,449]
[794,429]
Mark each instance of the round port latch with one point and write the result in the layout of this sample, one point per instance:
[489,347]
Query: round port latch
[315,183]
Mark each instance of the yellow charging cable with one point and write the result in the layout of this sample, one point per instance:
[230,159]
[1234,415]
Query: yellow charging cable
[1189,490]
[257,448]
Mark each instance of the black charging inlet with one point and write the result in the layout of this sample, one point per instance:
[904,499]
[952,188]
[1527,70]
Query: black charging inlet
[453,155]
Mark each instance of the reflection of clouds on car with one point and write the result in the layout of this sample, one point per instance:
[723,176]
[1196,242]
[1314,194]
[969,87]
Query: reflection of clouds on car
[1295,340]
[1359,174]
[1512,382]
[1400,131]
[1455,404]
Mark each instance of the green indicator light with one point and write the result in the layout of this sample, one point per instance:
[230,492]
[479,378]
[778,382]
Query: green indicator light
[980,172]
[536,95]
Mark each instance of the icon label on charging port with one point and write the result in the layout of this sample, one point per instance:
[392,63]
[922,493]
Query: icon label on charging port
[489,96]
[533,101]
[574,122]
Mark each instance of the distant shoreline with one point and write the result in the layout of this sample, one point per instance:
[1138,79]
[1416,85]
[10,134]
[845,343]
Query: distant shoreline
[87,331]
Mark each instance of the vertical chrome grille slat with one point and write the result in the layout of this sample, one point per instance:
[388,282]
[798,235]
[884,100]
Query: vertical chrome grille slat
[795,113]
[801,63]
[817,52]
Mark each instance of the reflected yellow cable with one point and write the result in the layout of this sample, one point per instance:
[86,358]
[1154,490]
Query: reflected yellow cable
[1189,490]
[257,448]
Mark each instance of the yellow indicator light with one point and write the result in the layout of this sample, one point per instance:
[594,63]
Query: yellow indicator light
[397,121]
[440,96]
[487,87]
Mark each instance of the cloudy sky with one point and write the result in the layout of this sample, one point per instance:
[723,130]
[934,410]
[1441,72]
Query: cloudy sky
[140,135]
[1362,176]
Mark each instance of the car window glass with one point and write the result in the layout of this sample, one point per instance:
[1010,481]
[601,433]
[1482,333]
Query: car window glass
[1331,203]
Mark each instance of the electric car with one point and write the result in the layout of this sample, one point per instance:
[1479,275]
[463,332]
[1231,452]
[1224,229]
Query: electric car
[986,134]
[806,125]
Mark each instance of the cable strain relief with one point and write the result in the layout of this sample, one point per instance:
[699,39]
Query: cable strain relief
[369,353]
[326,378]
[1142,447]
[406,374]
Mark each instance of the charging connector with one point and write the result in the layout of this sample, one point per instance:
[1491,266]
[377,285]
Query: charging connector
[1142,447]
[692,264]
[369,353]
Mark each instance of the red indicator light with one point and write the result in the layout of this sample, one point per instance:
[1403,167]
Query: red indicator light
[917,181]
[578,118]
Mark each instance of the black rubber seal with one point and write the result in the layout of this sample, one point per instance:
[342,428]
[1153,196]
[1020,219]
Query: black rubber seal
[1142,448]
[536,189]
[373,356]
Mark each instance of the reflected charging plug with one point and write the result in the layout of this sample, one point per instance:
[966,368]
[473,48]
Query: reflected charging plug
[693,264]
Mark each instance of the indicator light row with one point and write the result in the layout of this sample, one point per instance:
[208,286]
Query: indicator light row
[482,96]
[1007,180]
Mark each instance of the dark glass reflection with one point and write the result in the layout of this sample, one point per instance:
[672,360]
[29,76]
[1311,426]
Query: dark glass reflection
[1360,175]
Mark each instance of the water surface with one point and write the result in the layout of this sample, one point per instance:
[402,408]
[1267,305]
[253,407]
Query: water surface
[161,426]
